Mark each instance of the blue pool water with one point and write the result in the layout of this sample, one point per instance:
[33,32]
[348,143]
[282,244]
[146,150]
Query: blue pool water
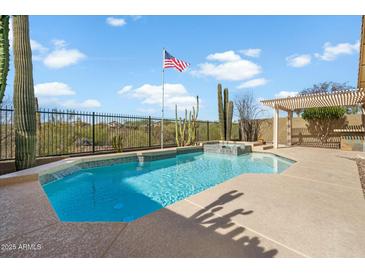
[127,191]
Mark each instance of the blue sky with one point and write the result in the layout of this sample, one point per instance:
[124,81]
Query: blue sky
[113,63]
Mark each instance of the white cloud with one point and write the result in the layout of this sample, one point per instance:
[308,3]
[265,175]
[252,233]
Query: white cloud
[298,61]
[136,17]
[53,89]
[36,46]
[251,52]
[38,50]
[284,94]
[89,103]
[49,94]
[70,104]
[174,94]
[60,58]
[253,83]
[226,56]
[230,67]
[234,71]
[125,89]
[59,43]
[115,22]
[331,52]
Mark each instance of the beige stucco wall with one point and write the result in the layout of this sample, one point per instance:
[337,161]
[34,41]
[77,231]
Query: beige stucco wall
[266,131]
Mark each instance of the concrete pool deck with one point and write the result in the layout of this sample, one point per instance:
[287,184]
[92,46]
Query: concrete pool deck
[315,208]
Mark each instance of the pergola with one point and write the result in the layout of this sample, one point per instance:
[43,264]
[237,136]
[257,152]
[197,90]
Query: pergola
[344,98]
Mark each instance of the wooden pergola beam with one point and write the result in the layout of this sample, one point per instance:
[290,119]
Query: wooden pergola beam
[345,98]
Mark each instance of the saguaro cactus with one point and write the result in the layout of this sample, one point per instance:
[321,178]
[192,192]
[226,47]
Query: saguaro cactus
[225,111]
[186,128]
[229,120]
[180,127]
[177,128]
[193,124]
[222,131]
[4,53]
[117,143]
[24,101]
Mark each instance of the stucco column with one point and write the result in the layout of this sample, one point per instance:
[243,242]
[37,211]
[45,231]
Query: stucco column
[276,128]
[289,128]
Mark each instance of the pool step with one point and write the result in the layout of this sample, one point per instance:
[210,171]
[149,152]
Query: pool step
[257,144]
[263,147]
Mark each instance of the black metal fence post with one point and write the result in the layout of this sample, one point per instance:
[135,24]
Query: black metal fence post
[93,129]
[149,132]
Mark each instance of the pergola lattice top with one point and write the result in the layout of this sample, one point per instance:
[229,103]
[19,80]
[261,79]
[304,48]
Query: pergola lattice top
[344,98]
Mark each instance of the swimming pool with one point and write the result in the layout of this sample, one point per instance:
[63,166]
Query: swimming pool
[128,191]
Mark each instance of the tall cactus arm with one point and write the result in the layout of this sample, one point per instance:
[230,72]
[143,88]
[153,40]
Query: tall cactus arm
[24,100]
[221,113]
[4,53]
[194,122]
[229,120]
[183,135]
[190,130]
[226,99]
[197,108]
[226,102]
[186,128]
[177,127]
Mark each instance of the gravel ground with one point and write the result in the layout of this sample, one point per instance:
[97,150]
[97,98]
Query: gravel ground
[361,167]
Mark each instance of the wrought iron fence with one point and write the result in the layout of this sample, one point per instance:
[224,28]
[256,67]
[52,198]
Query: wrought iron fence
[66,132]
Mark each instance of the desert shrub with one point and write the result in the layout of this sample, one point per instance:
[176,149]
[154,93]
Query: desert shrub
[322,121]
[323,113]
[117,143]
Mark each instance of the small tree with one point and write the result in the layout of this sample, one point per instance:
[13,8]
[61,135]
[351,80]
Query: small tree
[322,121]
[248,112]
[326,87]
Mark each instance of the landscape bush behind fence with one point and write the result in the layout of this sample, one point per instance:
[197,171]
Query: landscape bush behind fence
[67,132]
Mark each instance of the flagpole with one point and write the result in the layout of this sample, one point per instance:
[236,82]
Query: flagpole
[163,94]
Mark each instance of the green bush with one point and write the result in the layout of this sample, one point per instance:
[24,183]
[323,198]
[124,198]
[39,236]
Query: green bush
[331,113]
[322,121]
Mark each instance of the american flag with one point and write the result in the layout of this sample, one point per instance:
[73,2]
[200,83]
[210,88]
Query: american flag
[170,61]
